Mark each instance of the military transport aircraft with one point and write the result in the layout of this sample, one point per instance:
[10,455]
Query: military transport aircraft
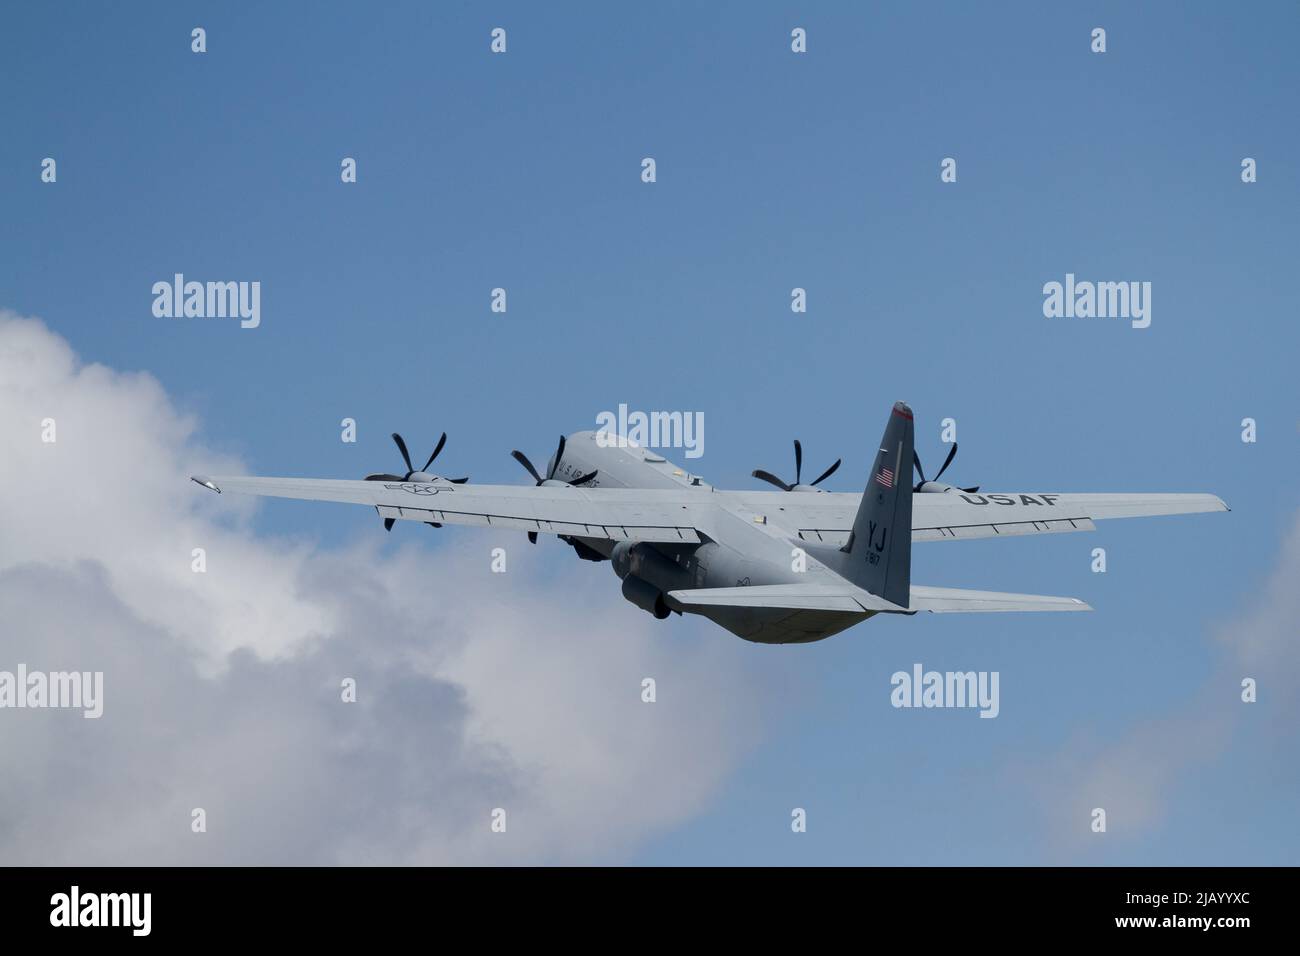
[775,567]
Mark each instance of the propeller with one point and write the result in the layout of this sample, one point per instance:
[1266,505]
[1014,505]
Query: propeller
[934,484]
[412,474]
[550,478]
[798,472]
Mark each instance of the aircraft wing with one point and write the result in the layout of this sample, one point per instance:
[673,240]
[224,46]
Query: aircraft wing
[613,514]
[958,515]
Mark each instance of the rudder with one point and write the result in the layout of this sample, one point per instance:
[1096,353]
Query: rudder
[878,554]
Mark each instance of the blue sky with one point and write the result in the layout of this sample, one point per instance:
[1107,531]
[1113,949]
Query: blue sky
[775,170]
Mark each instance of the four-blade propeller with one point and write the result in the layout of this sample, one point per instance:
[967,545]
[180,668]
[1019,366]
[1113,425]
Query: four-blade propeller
[550,478]
[934,484]
[798,472]
[412,474]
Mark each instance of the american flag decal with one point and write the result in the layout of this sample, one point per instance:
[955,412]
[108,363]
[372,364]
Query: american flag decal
[885,477]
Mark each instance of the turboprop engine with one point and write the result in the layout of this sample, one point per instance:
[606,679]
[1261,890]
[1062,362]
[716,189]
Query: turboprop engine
[646,574]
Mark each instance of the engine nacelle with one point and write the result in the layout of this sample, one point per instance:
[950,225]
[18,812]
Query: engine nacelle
[934,487]
[643,561]
[585,551]
[645,596]
[620,559]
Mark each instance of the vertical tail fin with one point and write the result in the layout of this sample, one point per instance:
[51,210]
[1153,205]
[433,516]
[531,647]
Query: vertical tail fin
[879,551]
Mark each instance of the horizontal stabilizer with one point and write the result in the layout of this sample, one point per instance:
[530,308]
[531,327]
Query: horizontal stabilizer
[951,600]
[804,597]
[846,597]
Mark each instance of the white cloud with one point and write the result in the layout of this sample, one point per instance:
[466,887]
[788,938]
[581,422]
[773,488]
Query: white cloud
[222,689]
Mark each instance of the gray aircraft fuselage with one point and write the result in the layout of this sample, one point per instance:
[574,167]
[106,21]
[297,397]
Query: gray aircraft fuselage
[650,571]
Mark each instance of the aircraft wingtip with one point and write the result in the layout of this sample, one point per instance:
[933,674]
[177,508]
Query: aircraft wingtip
[205,482]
